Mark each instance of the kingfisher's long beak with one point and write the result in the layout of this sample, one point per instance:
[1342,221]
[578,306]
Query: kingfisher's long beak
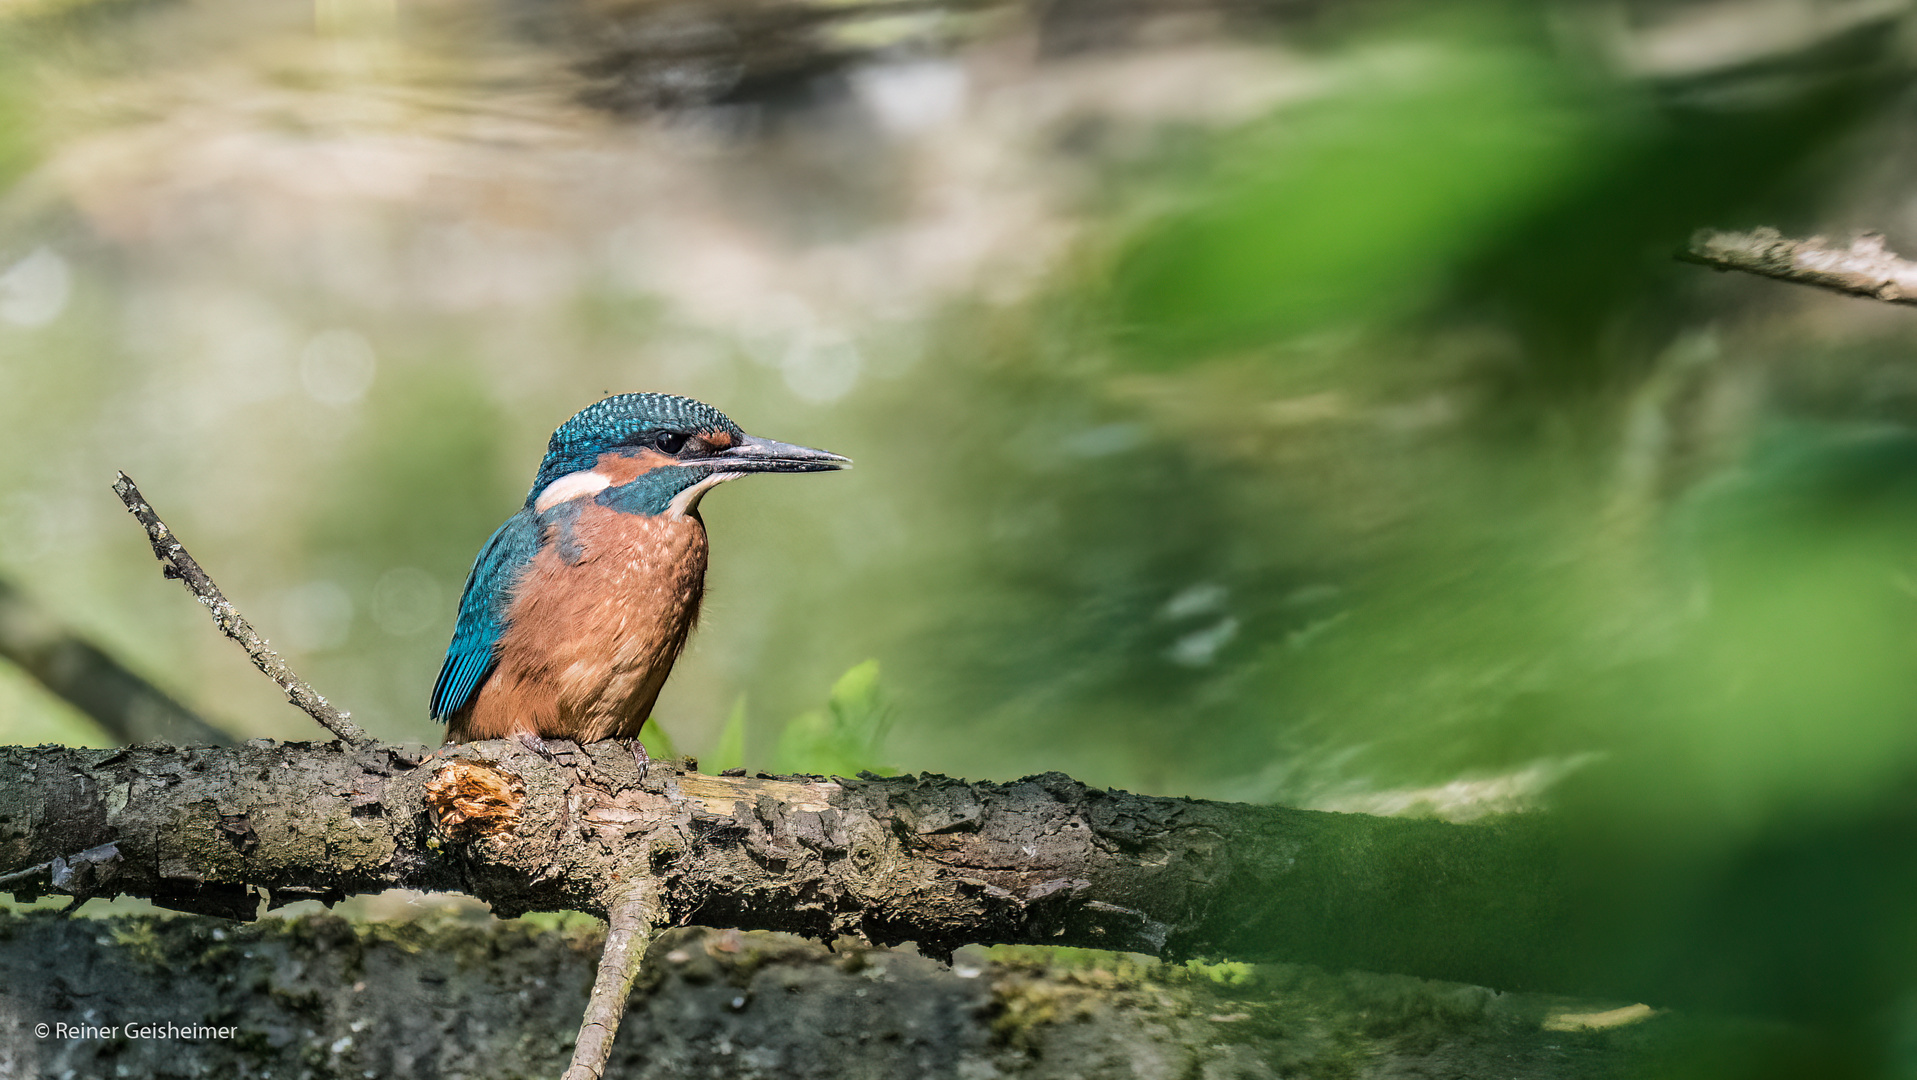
[753,454]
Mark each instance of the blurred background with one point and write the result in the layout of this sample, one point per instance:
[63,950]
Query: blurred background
[1252,399]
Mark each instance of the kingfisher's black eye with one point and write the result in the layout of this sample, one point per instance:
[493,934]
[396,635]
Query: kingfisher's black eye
[669,442]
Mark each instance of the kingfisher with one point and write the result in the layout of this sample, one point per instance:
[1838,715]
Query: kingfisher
[576,609]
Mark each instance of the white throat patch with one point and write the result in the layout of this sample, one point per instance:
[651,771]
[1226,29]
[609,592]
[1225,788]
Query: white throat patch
[688,500]
[571,486]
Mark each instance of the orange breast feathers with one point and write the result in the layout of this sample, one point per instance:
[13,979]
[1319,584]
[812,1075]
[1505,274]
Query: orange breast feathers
[589,643]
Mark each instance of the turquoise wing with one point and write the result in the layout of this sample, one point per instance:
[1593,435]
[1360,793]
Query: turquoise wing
[482,613]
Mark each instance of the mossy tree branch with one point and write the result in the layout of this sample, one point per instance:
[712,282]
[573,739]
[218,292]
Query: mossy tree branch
[938,861]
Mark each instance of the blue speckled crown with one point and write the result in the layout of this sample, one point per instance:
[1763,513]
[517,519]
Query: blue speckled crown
[623,419]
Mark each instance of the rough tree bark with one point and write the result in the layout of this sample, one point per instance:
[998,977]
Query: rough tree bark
[438,997]
[928,859]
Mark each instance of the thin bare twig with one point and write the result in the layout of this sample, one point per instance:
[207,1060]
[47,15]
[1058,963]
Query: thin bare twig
[23,875]
[628,932]
[176,563]
[1865,268]
[75,873]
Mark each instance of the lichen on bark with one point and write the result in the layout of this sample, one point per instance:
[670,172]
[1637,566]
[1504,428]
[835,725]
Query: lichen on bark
[321,997]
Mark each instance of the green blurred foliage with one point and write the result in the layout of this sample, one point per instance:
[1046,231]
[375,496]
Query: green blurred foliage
[658,742]
[728,753]
[16,137]
[31,717]
[19,134]
[1371,454]
[1798,682]
[845,737]
[1360,206]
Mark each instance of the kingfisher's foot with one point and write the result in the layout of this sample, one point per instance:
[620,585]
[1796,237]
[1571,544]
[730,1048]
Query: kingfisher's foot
[532,742]
[639,756]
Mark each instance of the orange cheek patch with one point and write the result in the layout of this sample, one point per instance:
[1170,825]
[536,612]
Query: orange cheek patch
[718,440]
[625,468]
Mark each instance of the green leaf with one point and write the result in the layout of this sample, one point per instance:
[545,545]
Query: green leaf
[844,737]
[658,744]
[730,753]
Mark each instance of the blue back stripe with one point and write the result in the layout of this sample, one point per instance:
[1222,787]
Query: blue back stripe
[482,613]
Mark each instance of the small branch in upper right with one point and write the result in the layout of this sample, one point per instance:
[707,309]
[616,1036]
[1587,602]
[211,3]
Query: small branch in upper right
[1865,268]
